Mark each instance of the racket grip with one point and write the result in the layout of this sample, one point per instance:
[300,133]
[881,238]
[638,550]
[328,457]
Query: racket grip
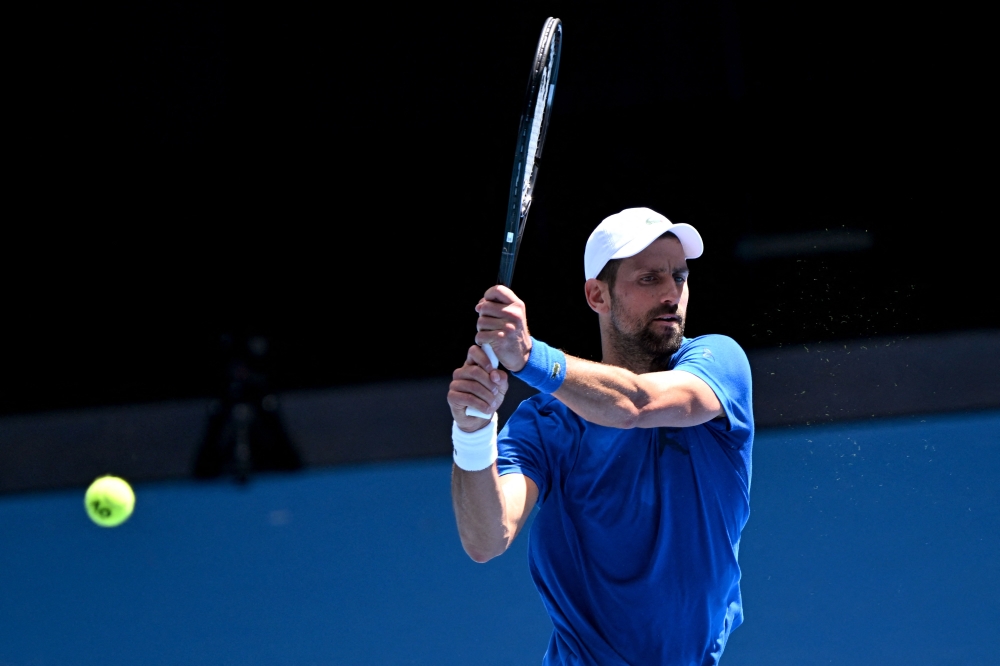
[492,356]
[472,411]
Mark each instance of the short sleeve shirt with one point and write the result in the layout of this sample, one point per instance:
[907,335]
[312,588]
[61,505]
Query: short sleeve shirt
[634,547]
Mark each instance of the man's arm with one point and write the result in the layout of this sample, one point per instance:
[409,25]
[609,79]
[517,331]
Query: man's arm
[603,394]
[490,510]
[619,398]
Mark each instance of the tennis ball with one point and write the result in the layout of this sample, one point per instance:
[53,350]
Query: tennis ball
[109,501]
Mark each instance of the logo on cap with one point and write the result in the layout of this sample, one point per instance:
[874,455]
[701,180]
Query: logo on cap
[653,220]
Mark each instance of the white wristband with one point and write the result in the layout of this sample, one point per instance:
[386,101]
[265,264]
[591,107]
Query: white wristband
[474,451]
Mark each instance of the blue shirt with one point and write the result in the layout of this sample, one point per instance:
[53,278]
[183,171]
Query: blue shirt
[634,548]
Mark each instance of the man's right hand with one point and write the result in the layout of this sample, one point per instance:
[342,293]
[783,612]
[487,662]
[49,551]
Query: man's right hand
[476,384]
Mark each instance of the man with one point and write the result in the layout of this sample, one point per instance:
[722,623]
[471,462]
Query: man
[640,464]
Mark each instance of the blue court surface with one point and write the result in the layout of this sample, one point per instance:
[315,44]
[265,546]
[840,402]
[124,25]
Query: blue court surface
[868,543]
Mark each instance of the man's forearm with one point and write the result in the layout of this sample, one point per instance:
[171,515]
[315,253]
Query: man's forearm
[602,394]
[480,512]
[616,397]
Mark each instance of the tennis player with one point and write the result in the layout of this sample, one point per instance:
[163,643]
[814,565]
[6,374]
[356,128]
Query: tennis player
[640,464]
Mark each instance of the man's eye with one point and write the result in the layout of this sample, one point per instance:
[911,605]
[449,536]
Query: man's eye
[679,279]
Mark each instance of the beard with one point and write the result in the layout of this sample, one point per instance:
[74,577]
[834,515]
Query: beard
[637,340]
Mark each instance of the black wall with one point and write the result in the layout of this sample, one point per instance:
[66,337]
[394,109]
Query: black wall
[335,179]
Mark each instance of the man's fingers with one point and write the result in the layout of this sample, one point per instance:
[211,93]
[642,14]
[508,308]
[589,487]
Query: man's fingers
[499,310]
[498,294]
[491,337]
[478,357]
[501,294]
[467,393]
[494,338]
[486,324]
[458,401]
[499,377]
[490,399]
[474,373]
[492,315]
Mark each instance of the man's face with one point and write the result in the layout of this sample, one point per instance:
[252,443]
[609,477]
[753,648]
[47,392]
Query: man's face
[649,300]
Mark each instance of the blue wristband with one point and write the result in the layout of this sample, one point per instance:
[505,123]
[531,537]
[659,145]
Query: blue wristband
[545,369]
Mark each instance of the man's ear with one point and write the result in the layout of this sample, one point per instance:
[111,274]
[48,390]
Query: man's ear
[598,296]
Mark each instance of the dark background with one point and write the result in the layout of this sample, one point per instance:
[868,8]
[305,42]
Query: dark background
[334,180]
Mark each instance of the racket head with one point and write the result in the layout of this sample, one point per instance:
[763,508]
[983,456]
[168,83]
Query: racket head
[531,133]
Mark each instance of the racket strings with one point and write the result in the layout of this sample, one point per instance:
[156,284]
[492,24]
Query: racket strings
[537,122]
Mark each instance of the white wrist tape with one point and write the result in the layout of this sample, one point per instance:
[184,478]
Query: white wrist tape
[474,451]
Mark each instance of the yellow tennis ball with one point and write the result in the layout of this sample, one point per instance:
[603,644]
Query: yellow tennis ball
[109,501]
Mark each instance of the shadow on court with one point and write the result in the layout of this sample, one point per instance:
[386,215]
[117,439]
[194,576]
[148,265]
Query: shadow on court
[869,543]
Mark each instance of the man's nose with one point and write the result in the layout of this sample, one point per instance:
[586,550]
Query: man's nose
[671,293]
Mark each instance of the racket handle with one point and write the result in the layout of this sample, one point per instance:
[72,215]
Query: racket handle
[472,411]
[492,356]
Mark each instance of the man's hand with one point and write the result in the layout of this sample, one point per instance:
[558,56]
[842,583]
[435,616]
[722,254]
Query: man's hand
[503,324]
[476,384]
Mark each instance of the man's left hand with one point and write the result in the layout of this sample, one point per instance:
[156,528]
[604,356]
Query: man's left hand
[503,324]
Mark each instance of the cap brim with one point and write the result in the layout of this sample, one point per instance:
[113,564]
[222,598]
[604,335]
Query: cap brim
[690,240]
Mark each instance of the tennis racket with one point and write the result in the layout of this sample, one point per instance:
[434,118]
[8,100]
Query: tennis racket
[527,156]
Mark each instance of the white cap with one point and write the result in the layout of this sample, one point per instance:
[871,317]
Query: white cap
[629,232]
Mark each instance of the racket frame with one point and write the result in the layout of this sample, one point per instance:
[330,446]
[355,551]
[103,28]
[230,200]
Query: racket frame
[541,84]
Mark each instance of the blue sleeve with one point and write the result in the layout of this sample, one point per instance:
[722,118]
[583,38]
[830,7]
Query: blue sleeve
[722,364]
[531,440]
